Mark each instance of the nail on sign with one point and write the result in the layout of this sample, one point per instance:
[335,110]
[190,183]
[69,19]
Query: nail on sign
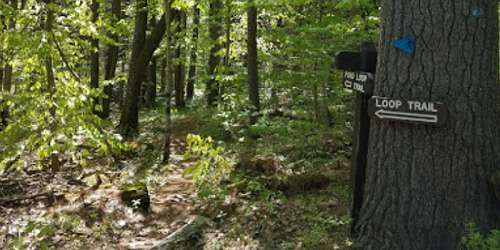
[359,81]
[420,112]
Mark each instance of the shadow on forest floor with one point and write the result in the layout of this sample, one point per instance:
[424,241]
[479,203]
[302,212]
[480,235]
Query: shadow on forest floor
[80,208]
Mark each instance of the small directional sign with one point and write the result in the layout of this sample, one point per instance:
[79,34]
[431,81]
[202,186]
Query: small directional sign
[359,81]
[419,112]
[346,60]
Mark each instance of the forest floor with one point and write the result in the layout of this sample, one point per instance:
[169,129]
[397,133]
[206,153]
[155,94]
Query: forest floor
[288,195]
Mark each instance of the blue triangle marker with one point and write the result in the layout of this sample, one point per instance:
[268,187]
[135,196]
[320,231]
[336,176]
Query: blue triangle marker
[405,44]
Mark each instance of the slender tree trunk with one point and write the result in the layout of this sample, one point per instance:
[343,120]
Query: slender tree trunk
[2,68]
[120,96]
[94,55]
[168,82]
[214,60]
[194,53]
[2,59]
[111,60]
[252,64]
[7,74]
[423,183]
[7,78]
[3,112]
[151,84]
[227,46]
[163,74]
[51,86]
[180,68]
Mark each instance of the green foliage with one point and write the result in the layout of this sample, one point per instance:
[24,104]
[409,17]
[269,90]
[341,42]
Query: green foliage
[210,168]
[51,121]
[474,240]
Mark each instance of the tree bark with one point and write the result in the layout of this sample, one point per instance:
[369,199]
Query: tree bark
[151,84]
[51,86]
[252,64]
[214,60]
[194,53]
[424,184]
[129,122]
[7,73]
[142,51]
[168,82]
[180,68]
[94,55]
[163,74]
[111,60]
[227,43]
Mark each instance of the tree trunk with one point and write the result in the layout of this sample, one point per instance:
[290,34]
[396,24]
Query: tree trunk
[168,82]
[214,60]
[2,67]
[180,68]
[151,84]
[194,53]
[129,122]
[424,184]
[142,52]
[163,74]
[94,55]
[111,60]
[7,73]
[51,86]
[227,43]
[252,64]
[120,95]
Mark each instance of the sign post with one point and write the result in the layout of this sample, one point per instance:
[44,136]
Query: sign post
[360,79]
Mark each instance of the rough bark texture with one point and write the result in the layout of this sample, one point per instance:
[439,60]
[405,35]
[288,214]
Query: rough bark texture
[111,61]
[194,53]
[252,65]
[214,59]
[94,54]
[425,183]
[142,51]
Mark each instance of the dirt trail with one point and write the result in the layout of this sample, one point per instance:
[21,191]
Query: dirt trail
[103,220]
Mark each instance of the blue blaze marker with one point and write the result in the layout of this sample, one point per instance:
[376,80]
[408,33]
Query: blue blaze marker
[477,12]
[405,44]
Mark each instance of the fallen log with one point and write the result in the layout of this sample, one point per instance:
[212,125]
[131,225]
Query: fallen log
[193,227]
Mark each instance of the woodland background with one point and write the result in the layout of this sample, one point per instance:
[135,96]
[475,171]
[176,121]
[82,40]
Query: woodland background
[123,120]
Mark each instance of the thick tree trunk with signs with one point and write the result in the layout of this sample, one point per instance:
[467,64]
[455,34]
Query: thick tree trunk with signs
[425,183]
